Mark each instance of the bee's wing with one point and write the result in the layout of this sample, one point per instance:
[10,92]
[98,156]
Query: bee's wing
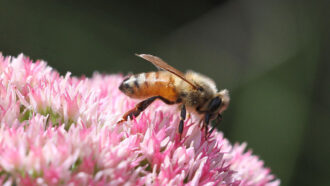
[159,63]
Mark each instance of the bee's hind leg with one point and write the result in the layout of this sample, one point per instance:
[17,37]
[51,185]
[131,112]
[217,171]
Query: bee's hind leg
[140,107]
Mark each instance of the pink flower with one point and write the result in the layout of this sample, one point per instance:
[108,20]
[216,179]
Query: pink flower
[61,130]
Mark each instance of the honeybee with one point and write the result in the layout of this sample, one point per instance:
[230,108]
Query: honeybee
[192,91]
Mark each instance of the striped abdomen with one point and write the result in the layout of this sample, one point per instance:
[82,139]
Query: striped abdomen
[151,84]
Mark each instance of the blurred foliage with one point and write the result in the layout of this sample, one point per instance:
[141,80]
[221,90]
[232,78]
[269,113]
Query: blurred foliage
[272,55]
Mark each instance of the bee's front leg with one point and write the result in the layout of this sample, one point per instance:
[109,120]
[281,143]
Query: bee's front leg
[219,119]
[206,123]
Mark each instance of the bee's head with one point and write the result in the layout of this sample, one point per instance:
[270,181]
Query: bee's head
[219,102]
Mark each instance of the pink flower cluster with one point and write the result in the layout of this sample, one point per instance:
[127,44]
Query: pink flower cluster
[61,130]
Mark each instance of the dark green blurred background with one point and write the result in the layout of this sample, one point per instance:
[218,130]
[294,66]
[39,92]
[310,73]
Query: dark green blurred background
[273,55]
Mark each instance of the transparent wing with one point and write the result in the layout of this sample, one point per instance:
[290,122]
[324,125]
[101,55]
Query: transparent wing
[159,63]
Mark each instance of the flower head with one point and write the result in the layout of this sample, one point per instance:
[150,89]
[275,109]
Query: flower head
[60,130]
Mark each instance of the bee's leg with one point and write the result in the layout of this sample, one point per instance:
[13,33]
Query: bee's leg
[138,109]
[165,100]
[141,107]
[219,119]
[182,118]
[206,124]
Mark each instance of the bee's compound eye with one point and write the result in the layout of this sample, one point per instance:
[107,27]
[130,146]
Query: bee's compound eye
[214,104]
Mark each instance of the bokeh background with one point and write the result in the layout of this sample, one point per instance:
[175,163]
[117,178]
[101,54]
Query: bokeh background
[273,56]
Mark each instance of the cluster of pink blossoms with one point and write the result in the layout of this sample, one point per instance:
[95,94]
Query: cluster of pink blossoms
[61,130]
